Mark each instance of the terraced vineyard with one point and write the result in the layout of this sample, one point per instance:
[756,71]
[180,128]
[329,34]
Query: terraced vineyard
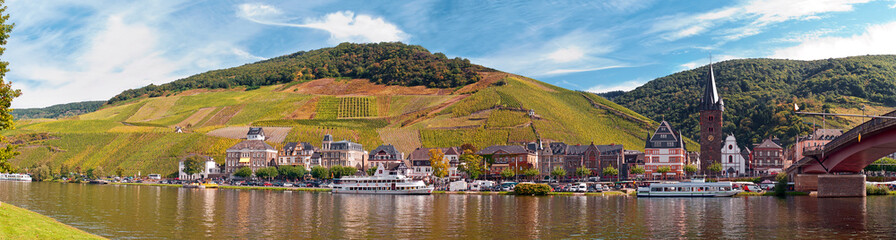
[139,135]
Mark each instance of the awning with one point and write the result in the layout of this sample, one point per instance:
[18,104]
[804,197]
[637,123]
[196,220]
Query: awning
[244,160]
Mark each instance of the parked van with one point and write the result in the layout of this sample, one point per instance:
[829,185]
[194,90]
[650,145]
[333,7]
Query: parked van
[155,176]
[457,186]
[478,185]
[579,187]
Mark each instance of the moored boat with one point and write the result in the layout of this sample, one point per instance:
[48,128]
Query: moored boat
[688,189]
[15,177]
[389,184]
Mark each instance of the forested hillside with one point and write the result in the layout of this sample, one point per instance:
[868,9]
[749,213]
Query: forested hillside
[382,63]
[58,111]
[759,94]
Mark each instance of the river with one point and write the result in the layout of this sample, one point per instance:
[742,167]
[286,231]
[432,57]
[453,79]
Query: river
[149,212]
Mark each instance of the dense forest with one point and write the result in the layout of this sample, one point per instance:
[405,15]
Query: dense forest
[759,93]
[58,111]
[383,63]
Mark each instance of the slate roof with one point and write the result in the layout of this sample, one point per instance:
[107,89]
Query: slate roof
[768,143]
[665,137]
[328,138]
[307,146]
[388,149]
[252,145]
[711,99]
[255,131]
[510,149]
[609,148]
[453,151]
[289,147]
[419,154]
[823,134]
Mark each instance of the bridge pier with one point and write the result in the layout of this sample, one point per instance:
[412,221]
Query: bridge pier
[830,185]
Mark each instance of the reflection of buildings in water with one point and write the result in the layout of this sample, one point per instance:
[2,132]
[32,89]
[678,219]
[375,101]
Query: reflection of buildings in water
[527,214]
[356,212]
[208,207]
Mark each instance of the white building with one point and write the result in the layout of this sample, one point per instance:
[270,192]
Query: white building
[733,163]
[210,168]
[255,134]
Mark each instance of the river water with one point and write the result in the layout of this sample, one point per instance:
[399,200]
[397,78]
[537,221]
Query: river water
[149,212]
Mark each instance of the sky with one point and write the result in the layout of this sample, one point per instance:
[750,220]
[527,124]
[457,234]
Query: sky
[63,51]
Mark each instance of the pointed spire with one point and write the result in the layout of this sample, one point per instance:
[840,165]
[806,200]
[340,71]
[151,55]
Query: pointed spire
[711,99]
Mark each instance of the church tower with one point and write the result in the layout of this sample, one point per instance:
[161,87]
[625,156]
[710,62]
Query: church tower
[711,107]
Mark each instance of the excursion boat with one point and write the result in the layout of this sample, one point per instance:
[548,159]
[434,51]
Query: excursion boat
[15,177]
[689,189]
[396,184]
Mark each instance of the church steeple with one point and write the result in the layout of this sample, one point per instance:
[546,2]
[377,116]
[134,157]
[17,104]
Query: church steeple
[711,99]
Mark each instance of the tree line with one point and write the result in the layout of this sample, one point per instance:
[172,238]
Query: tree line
[58,111]
[383,63]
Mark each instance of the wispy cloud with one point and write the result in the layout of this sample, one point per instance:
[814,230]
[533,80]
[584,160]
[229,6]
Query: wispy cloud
[107,49]
[876,39]
[705,61]
[752,17]
[343,26]
[576,51]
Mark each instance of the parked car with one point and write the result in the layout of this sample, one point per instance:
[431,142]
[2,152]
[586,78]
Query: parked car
[580,187]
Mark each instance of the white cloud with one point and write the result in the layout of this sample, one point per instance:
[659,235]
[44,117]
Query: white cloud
[567,54]
[108,48]
[877,39]
[343,26]
[574,52]
[624,86]
[752,15]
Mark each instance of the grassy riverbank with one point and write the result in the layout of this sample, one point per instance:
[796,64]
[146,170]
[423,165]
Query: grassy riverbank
[20,223]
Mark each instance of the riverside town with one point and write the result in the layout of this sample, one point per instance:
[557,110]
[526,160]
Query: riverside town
[447,120]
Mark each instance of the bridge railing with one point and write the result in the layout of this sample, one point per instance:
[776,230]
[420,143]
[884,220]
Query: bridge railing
[865,129]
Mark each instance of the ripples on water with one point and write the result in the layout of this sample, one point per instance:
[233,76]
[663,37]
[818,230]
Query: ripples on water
[147,212]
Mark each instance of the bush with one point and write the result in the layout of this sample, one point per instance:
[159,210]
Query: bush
[877,190]
[532,189]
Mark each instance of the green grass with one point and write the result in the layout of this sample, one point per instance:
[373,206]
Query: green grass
[480,138]
[481,100]
[20,223]
[327,108]
[357,107]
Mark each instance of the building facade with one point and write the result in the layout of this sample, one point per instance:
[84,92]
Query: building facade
[514,157]
[384,154]
[296,154]
[255,133]
[210,168]
[815,141]
[421,166]
[665,149]
[254,154]
[711,108]
[343,153]
[768,157]
[733,163]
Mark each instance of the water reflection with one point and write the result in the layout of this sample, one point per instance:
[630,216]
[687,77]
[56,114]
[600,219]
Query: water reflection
[146,212]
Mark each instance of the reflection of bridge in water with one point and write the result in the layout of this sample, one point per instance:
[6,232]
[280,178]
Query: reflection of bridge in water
[833,169]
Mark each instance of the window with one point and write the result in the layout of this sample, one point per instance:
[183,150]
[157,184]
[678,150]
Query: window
[710,129]
[710,119]
[730,159]
[730,146]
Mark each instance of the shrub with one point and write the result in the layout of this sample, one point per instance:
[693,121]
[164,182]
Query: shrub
[532,189]
[877,190]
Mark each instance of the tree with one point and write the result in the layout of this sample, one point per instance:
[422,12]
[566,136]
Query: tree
[243,172]
[268,172]
[64,171]
[507,173]
[637,170]
[531,173]
[558,172]
[193,165]
[610,171]
[7,93]
[99,172]
[690,169]
[119,172]
[43,173]
[336,171]
[663,170]
[583,171]
[90,174]
[320,172]
[291,172]
[348,171]
[470,147]
[371,171]
[781,185]
[472,164]
[715,168]
[438,162]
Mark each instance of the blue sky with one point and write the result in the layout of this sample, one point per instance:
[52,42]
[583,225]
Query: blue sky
[66,51]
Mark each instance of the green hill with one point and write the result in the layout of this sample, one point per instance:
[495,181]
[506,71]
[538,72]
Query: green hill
[58,111]
[137,134]
[759,94]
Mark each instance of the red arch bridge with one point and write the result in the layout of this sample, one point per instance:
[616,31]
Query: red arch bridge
[834,169]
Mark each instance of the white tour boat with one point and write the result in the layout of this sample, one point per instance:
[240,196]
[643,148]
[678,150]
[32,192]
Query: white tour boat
[688,189]
[382,183]
[15,177]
